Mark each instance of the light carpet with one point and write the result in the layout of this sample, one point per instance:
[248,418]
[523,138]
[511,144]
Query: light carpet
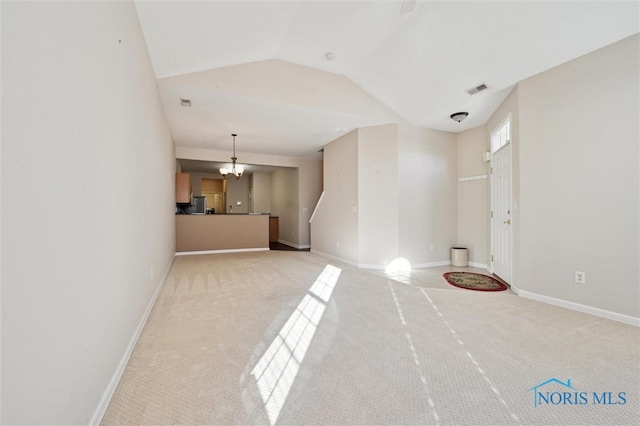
[274,338]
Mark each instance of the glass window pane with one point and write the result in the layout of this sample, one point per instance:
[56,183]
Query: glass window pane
[501,136]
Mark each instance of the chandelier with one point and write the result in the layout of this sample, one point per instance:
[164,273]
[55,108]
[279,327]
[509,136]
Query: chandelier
[235,169]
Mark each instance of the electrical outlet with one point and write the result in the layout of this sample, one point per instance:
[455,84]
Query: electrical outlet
[580,277]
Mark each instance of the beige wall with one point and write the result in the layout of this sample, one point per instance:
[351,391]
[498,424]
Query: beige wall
[579,133]
[309,190]
[334,229]
[427,194]
[390,191]
[377,195]
[309,184]
[238,191]
[83,128]
[261,192]
[284,203]
[189,153]
[473,195]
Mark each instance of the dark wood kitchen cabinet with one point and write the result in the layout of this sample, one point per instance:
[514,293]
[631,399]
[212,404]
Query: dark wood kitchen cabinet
[183,188]
[273,229]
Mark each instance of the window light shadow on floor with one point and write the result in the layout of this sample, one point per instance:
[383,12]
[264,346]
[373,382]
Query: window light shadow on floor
[277,369]
[398,266]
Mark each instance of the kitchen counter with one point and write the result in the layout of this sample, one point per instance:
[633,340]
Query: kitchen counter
[210,232]
[234,214]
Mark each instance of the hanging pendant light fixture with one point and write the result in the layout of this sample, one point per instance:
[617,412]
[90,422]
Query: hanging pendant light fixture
[235,169]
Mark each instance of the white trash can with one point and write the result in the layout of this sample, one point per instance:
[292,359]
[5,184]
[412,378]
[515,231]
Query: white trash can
[459,256]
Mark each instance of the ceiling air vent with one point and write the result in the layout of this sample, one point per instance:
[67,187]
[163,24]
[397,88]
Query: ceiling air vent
[407,6]
[477,89]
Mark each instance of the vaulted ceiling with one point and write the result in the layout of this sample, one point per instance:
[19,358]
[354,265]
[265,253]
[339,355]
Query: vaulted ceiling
[260,68]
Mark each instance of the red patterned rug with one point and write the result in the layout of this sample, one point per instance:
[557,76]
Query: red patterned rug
[472,281]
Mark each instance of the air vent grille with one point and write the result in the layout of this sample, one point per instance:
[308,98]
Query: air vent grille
[407,6]
[477,89]
[185,102]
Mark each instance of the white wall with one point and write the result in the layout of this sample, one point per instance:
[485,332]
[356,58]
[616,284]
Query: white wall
[579,133]
[378,195]
[84,132]
[334,230]
[428,202]
[473,195]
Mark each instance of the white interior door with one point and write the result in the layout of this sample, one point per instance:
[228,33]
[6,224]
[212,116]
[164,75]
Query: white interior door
[501,226]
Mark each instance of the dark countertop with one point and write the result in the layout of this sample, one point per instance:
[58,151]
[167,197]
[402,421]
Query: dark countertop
[226,214]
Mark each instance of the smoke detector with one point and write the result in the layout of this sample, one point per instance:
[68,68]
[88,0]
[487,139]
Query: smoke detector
[185,102]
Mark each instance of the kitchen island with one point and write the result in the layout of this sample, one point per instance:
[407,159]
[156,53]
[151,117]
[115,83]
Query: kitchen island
[221,232]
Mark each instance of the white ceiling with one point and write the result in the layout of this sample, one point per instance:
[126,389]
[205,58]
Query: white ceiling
[259,68]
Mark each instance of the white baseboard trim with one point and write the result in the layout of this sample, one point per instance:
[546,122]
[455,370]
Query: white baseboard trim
[578,307]
[190,253]
[422,265]
[370,266]
[298,246]
[432,264]
[378,267]
[319,253]
[115,379]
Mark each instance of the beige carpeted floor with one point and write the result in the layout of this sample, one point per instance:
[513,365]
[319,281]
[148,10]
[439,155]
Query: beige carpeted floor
[283,338]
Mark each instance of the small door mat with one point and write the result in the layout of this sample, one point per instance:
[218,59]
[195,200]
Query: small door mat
[472,281]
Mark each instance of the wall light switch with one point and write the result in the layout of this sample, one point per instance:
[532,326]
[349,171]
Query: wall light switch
[238,203]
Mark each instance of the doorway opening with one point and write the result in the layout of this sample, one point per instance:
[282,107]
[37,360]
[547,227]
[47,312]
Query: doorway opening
[214,192]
